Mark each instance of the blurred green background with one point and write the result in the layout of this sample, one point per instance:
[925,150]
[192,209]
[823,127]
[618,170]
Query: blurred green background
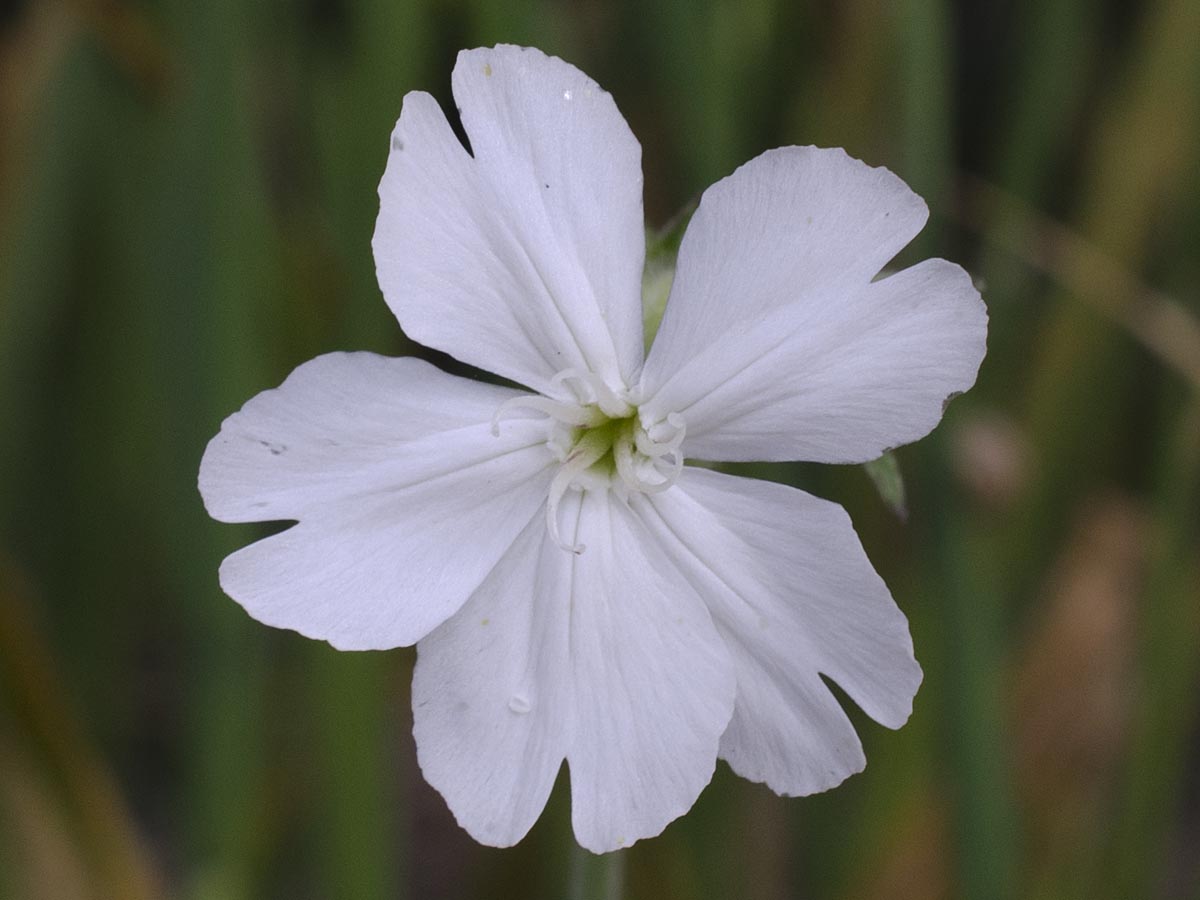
[187,194]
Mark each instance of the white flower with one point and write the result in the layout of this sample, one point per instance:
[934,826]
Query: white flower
[574,591]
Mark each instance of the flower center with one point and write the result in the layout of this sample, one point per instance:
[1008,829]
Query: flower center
[602,443]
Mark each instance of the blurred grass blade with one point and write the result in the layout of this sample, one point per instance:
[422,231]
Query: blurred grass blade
[927,107]
[714,61]
[1047,93]
[978,752]
[198,242]
[370,54]
[970,621]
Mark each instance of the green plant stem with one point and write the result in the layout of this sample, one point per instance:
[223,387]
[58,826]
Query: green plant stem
[596,876]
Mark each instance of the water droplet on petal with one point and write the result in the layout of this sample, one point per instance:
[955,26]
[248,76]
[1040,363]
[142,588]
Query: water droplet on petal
[566,95]
[519,704]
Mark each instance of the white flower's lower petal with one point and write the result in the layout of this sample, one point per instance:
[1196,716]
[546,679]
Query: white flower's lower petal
[607,657]
[526,258]
[794,596]
[652,682]
[776,344]
[491,693]
[406,499]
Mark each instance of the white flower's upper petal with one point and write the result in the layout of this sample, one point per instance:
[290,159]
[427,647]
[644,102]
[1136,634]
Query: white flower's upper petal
[491,693]
[777,345]
[653,683]
[794,596]
[405,497]
[525,259]
[606,657]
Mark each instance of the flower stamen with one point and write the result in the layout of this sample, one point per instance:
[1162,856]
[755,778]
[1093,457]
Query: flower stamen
[656,464]
[648,446]
[586,453]
[595,391]
[567,413]
[600,442]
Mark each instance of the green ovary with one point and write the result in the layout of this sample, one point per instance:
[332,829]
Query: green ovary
[598,442]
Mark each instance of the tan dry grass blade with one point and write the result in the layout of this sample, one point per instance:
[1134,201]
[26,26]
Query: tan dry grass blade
[48,862]
[118,866]
[1159,322]
[1073,690]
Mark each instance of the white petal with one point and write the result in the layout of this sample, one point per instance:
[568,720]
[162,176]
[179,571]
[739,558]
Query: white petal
[405,497]
[777,345]
[793,595]
[333,429]
[525,259]
[606,657]
[653,683]
[491,693]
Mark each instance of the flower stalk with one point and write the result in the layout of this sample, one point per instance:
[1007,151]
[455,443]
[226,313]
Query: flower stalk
[596,876]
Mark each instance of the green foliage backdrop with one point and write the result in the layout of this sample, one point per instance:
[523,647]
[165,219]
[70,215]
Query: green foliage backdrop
[187,194]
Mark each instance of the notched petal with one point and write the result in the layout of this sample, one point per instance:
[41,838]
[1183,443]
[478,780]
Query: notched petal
[524,259]
[795,598]
[776,343]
